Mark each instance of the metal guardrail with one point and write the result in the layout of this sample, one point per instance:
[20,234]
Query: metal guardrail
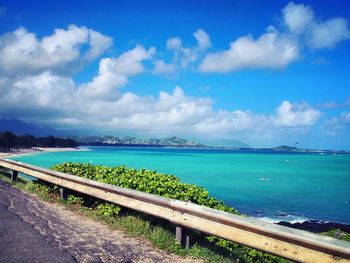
[286,242]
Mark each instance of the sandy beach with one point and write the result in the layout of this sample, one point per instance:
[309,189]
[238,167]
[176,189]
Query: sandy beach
[16,152]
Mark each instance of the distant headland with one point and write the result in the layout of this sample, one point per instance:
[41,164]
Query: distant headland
[109,140]
[177,142]
[93,138]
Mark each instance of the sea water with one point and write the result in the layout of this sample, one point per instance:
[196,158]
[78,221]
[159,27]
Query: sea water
[274,186]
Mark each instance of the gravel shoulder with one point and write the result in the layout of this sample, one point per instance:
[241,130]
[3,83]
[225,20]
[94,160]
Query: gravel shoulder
[48,232]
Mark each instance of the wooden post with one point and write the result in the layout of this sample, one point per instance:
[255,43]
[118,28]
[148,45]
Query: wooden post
[14,176]
[64,192]
[182,236]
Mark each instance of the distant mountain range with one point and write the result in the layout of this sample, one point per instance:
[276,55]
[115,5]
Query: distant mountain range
[225,143]
[132,141]
[85,137]
[20,127]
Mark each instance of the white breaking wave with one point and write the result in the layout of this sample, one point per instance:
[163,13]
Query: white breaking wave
[288,218]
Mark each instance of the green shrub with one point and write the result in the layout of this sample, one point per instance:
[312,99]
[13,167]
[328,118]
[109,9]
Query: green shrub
[145,181]
[163,185]
[338,234]
[106,209]
[74,200]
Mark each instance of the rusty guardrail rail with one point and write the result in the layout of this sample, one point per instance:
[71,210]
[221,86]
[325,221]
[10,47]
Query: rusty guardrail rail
[286,242]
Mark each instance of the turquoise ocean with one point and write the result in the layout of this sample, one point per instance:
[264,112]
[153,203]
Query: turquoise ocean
[272,186]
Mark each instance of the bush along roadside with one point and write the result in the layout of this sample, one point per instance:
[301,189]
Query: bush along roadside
[168,186]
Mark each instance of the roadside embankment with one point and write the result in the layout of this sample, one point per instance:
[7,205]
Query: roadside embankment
[64,232]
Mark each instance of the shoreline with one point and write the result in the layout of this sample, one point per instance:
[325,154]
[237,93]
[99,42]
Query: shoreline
[307,224]
[233,149]
[23,151]
[316,226]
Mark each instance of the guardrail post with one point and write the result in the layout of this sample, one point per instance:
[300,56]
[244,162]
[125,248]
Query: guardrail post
[14,175]
[64,192]
[182,236]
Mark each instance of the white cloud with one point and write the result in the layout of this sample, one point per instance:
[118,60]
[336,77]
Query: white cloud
[203,39]
[288,115]
[335,125]
[58,100]
[37,96]
[328,105]
[45,92]
[277,48]
[300,19]
[51,94]
[98,44]
[114,72]
[183,56]
[328,34]
[297,17]
[345,117]
[174,43]
[332,126]
[64,51]
[160,67]
[271,50]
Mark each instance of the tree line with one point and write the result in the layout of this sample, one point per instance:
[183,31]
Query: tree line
[9,140]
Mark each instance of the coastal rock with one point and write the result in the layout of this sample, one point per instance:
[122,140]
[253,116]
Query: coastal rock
[316,226]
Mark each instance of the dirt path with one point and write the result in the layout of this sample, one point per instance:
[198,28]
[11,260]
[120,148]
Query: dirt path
[81,238]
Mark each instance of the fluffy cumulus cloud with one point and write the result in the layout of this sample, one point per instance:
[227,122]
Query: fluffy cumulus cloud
[64,51]
[335,125]
[277,48]
[183,56]
[288,115]
[59,100]
[328,34]
[300,19]
[203,39]
[38,85]
[271,50]
[161,67]
[297,17]
[114,73]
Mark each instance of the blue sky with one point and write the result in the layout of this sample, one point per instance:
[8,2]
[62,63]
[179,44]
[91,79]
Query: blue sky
[262,72]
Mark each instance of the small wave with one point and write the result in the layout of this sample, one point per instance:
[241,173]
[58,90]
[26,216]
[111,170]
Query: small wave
[264,179]
[84,149]
[287,218]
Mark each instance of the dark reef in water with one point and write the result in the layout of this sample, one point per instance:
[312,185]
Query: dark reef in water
[317,226]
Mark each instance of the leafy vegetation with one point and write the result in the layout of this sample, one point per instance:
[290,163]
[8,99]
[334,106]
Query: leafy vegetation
[167,186]
[145,181]
[10,140]
[338,234]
